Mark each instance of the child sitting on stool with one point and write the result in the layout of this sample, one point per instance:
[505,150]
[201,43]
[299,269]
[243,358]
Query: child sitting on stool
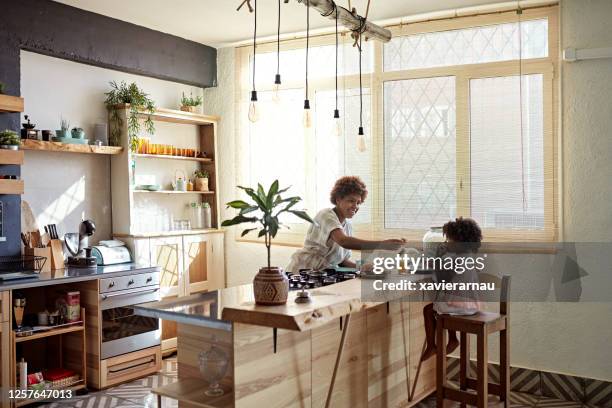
[463,237]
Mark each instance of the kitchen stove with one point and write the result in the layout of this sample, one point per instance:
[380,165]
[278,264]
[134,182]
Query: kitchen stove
[310,279]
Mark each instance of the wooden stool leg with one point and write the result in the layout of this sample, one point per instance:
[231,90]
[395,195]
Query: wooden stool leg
[440,363]
[464,363]
[482,379]
[159,401]
[504,367]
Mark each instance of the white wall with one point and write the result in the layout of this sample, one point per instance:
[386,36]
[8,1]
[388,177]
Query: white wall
[64,187]
[567,338]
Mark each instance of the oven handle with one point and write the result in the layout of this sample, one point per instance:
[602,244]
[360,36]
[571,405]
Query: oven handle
[126,293]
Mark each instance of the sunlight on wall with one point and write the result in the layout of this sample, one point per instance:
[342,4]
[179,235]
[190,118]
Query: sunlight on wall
[64,205]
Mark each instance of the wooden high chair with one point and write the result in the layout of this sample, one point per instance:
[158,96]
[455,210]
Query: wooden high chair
[481,324]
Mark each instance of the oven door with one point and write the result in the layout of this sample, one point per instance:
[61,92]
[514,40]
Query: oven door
[123,331]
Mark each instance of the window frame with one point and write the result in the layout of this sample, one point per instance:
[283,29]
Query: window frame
[548,67]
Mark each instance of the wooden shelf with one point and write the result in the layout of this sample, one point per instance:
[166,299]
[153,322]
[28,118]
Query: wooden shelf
[160,156]
[172,192]
[170,233]
[77,385]
[191,391]
[178,116]
[11,104]
[11,186]
[30,144]
[51,332]
[11,156]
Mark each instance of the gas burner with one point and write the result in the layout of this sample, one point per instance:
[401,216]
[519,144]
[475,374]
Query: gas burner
[309,279]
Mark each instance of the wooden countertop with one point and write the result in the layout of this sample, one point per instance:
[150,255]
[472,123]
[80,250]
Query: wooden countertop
[328,303]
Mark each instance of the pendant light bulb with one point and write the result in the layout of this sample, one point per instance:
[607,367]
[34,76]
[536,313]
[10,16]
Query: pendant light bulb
[361,142]
[253,108]
[337,123]
[276,98]
[307,116]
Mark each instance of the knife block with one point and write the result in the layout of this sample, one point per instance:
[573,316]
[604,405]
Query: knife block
[45,253]
[57,254]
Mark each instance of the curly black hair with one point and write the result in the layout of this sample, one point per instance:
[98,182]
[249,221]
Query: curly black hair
[348,185]
[465,232]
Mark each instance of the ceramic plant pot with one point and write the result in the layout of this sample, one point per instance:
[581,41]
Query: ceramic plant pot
[201,184]
[271,286]
[78,134]
[191,109]
[62,133]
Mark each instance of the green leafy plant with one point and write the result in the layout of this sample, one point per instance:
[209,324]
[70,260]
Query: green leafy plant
[1,88]
[8,137]
[201,174]
[138,102]
[270,205]
[191,101]
[64,124]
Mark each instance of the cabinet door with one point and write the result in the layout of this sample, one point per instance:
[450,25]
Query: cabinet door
[167,253]
[204,262]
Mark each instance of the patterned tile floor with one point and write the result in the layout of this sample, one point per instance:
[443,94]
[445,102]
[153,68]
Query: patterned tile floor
[137,394]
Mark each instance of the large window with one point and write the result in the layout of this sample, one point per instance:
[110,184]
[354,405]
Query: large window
[459,117]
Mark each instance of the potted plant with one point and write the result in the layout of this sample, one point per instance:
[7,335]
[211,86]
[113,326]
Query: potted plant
[138,102]
[64,129]
[9,140]
[270,285]
[1,88]
[78,133]
[190,104]
[201,180]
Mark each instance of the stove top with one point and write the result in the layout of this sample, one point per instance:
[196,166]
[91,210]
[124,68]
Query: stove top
[310,279]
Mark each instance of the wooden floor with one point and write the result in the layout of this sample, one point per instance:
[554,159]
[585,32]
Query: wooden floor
[137,394]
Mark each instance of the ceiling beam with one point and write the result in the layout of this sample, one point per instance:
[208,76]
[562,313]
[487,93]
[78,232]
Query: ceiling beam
[348,20]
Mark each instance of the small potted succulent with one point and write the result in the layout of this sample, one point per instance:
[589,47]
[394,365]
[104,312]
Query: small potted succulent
[78,133]
[201,180]
[270,285]
[64,129]
[9,140]
[190,104]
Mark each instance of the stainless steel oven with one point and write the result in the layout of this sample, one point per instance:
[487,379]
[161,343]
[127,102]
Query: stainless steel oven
[123,331]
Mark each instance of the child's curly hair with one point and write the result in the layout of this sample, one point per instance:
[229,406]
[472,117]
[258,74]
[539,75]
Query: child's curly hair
[348,185]
[464,231]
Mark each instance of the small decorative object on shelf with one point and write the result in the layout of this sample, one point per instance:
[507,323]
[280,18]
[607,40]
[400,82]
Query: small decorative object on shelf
[1,88]
[64,131]
[138,102]
[270,285]
[9,140]
[179,183]
[190,104]
[78,133]
[201,180]
[213,366]
[28,131]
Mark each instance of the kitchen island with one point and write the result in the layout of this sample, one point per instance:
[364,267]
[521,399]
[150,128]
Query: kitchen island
[336,351]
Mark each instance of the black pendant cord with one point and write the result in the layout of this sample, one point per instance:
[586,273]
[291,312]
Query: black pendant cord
[254,92]
[336,112]
[307,44]
[277,80]
[360,93]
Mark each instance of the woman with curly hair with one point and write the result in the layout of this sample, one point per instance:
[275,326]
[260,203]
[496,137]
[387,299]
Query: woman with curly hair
[329,240]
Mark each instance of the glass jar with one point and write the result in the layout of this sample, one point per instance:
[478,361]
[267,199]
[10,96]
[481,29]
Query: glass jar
[432,241]
[196,216]
[206,216]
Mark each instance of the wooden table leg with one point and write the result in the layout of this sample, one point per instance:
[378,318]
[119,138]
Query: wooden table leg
[504,367]
[338,357]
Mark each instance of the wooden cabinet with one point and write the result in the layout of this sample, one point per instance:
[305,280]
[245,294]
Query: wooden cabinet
[188,264]
[119,369]
[203,261]
[5,347]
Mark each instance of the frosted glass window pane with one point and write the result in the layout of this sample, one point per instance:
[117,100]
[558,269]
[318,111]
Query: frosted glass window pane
[507,187]
[276,143]
[420,138]
[337,156]
[473,45]
[321,63]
